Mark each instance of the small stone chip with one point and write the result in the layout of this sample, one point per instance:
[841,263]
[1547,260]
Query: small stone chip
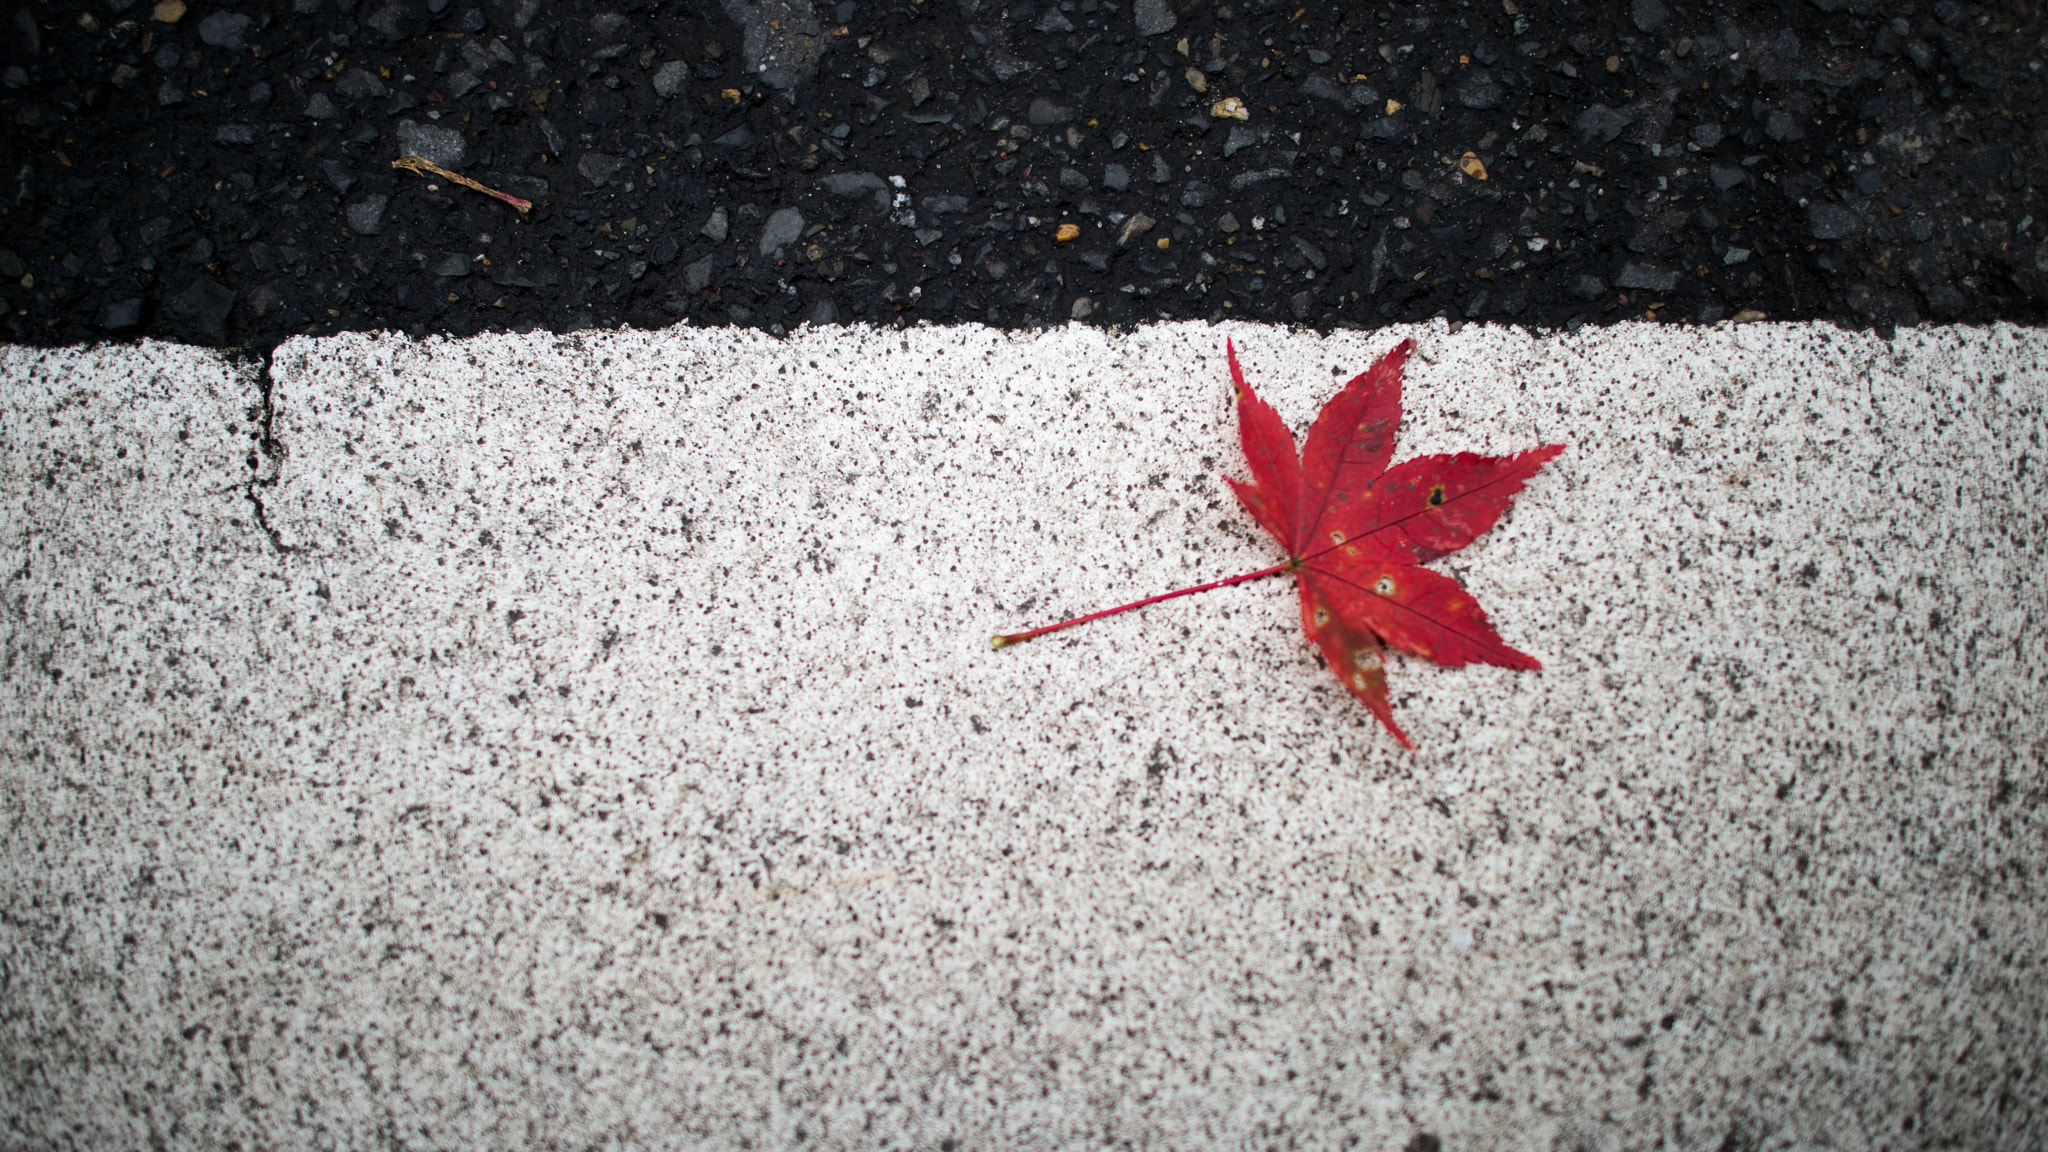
[1472,166]
[1153,17]
[1067,232]
[1196,80]
[169,11]
[1230,108]
[671,79]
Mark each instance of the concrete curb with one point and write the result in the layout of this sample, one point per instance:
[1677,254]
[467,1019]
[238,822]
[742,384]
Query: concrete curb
[594,740]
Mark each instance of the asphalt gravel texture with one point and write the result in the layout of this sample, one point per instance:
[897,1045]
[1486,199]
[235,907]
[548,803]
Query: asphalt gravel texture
[223,174]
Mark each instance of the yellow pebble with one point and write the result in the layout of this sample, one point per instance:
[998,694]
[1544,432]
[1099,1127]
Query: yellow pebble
[1473,167]
[1165,241]
[170,11]
[1067,232]
[1230,108]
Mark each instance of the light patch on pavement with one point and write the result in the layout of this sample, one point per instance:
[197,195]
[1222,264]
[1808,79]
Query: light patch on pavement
[597,737]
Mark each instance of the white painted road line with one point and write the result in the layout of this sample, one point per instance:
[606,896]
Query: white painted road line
[603,744]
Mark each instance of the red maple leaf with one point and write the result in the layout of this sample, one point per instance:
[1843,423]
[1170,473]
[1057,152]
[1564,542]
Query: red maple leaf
[1357,533]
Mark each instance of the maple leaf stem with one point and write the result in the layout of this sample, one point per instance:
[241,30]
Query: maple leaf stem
[1007,639]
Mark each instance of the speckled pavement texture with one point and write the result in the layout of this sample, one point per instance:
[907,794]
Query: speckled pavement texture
[594,742]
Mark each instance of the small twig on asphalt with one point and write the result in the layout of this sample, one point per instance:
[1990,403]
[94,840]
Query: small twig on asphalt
[425,166]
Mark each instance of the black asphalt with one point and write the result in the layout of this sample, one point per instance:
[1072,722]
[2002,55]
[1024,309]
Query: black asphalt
[223,174]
